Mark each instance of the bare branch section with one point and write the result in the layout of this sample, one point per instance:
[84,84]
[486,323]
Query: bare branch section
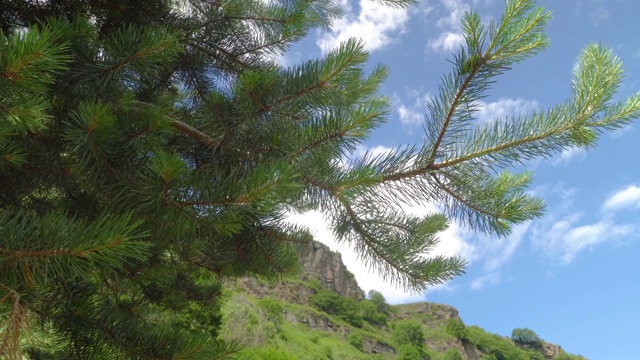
[194,133]
[12,324]
[182,127]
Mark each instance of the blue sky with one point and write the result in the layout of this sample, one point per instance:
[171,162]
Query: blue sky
[571,275]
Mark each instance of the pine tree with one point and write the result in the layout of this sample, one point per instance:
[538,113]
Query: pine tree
[150,149]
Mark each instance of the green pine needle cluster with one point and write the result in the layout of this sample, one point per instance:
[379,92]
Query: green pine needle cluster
[151,149]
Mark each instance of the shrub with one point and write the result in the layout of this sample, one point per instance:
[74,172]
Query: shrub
[265,353]
[343,307]
[378,299]
[411,352]
[408,332]
[355,340]
[369,312]
[497,346]
[456,328]
[452,354]
[526,338]
[272,308]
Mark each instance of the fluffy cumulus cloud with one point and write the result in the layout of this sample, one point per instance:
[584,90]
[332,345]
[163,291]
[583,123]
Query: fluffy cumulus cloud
[588,236]
[376,24]
[504,107]
[564,232]
[453,11]
[446,42]
[449,15]
[412,112]
[622,199]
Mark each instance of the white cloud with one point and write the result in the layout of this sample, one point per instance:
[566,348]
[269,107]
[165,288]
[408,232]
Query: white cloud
[412,113]
[503,107]
[488,279]
[625,198]
[376,24]
[454,10]
[563,232]
[447,42]
[450,39]
[587,236]
[567,155]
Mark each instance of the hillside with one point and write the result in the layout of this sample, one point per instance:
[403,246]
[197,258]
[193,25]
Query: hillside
[324,315]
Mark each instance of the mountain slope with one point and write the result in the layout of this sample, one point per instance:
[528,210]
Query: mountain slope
[324,315]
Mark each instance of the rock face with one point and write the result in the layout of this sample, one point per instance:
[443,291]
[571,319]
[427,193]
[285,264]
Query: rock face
[319,262]
[436,311]
[551,350]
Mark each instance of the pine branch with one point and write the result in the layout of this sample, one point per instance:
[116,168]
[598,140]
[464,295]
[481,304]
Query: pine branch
[460,198]
[13,324]
[256,18]
[178,125]
[452,108]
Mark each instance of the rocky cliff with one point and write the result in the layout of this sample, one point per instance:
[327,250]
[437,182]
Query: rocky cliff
[319,262]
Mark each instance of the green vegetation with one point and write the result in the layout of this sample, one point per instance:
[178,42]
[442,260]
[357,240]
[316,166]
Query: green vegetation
[526,338]
[314,334]
[272,307]
[266,353]
[379,301]
[408,332]
[452,354]
[498,348]
[332,303]
[457,329]
[411,352]
[370,313]
[149,149]
[355,340]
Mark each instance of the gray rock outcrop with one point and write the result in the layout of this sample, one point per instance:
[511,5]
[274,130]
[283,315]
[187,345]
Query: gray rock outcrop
[319,262]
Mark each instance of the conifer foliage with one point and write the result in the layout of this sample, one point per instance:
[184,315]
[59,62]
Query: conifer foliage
[149,149]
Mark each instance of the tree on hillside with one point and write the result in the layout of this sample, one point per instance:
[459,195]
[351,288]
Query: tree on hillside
[150,149]
[378,299]
[526,338]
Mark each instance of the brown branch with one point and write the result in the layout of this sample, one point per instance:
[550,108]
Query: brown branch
[317,143]
[233,57]
[411,173]
[181,203]
[194,133]
[366,238]
[11,255]
[133,57]
[452,108]
[13,72]
[184,128]
[11,328]
[279,236]
[461,199]
[254,18]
